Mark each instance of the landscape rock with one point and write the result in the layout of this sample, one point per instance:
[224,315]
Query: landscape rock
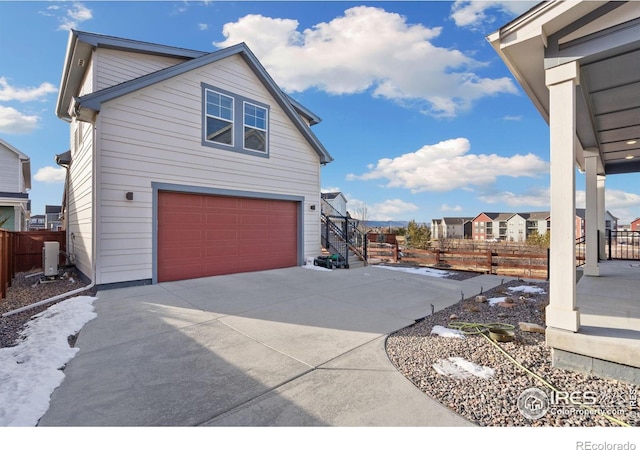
[481,299]
[506,305]
[494,402]
[531,327]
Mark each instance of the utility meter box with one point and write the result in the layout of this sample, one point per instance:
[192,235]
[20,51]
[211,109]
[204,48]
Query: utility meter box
[50,254]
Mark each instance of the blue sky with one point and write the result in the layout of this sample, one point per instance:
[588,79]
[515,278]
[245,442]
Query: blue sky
[421,116]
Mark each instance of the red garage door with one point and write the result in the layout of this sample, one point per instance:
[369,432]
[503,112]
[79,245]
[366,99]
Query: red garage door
[204,235]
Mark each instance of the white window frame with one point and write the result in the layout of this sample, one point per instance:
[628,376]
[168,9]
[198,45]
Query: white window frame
[265,129]
[224,119]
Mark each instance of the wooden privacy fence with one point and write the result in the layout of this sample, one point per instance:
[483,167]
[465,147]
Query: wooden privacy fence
[21,251]
[523,264]
[27,248]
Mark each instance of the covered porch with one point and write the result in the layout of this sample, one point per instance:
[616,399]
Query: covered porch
[608,341]
[579,64]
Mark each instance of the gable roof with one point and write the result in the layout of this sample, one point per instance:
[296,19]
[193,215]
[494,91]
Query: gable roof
[24,159]
[332,195]
[456,220]
[81,43]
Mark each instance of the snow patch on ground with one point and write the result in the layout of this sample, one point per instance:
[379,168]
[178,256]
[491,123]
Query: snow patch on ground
[460,369]
[419,271]
[528,289]
[447,332]
[495,300]
[31,370]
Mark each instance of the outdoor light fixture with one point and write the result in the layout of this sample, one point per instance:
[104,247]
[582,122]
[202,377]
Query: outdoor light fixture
[313,207]
[129,195]
[631,142]
[629,157]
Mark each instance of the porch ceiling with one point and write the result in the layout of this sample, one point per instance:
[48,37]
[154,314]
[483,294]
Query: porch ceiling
[609,109]
[604,38]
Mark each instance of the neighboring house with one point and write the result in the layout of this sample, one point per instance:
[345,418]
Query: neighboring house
[53,221]
[184,163]
[580,222]
[456,227]
[337,200]
[491,226]
[610,221]
[516,227]
[15,182]
[635,225]
[523,225]
[37,222]
[436,229]
[537,222]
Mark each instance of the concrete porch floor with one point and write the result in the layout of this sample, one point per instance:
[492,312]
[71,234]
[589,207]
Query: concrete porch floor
[608,342]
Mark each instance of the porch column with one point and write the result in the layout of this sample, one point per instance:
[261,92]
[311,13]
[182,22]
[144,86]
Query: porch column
[591,267]
[562,312]
[17,218]
[602,228]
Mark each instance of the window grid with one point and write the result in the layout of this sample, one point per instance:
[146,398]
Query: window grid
[219,111]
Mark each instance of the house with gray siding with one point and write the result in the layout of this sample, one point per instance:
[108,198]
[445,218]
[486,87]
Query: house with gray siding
[183,163]
[15,182]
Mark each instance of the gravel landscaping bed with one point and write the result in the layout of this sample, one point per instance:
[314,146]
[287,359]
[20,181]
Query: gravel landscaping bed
[434,363]
[26,290]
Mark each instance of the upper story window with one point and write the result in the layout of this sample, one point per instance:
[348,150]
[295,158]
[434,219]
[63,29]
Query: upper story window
[233,122]
[219,120]
[255,127]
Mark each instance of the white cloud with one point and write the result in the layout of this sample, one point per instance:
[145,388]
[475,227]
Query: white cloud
[75,15]
[613,198]
[13,121]
[330,189]
[447,165]
[9,93]
[367,49]
[536,198]
[50,174]
[393,209]
[512,118]
[203,26]
[446,207]
[474,13]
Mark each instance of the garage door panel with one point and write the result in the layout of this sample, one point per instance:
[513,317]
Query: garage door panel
[217,202]
[221,219]
[205,235]
[222,251]
[184,237]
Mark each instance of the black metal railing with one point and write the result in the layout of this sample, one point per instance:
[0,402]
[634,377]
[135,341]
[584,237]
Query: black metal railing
[623,244]
[581,251]
[340,233]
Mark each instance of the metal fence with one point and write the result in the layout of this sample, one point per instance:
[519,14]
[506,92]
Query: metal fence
[623,244]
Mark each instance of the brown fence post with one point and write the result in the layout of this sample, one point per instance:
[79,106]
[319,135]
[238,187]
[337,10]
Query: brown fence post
[490,260]
[11,260]
[437,256]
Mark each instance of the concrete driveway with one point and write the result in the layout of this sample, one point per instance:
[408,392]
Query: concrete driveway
[287,347]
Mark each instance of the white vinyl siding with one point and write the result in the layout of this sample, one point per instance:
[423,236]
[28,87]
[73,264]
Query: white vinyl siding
[80,192]
[117,66]
[155,135]
[10,171]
